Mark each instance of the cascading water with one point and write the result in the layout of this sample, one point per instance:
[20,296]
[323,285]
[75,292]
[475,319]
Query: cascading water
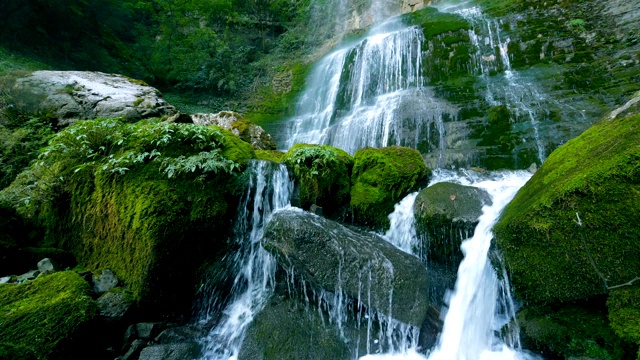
[372,93]
[481,303]
[268,189]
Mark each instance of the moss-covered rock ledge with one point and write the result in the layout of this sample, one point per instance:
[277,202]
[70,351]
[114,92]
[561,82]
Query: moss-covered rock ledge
[595,176]
[140,199]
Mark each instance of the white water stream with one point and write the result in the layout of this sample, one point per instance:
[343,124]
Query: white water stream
[269,189]
[481,304]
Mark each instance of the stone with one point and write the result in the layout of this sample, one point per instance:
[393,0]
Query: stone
[104,281]
[148,330]
[330,256]
[183,351]
[46,265]
[30,275]
[80,95]
[234,122]
[5,280]
[289,330]
[445,215]
[134,351]
[115,303]
[315,209]
[179,334]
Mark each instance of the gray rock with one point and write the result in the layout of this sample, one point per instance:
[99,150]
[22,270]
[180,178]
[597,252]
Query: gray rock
[115,303]
[331,256]
[289,330]
[183,351]
[232,121]
[46,265]
[129,336]
[446,214]
[104,281]
[179,334]
[134,351]
[149,330]
[78,95]
[30,275]
[4,280]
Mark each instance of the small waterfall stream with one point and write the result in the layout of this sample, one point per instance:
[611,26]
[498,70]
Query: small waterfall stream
[269,189]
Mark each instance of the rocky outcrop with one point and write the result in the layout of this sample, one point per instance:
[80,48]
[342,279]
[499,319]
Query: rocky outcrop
[232,121]
[69,96]
[446,214]
[335,258]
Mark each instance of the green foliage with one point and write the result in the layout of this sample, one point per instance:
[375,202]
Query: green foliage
[323,173]
[597,176]
[40,315]
[381,177]
[624,313]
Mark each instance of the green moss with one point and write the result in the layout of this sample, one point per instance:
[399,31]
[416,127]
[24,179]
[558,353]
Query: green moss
[382,177]
[44,314]
[270,155]
[596,175]
[434,23]
[624,313]
[573,331]
[14,352]
[323,174]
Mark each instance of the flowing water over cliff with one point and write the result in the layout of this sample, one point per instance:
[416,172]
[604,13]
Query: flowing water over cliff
[268,189]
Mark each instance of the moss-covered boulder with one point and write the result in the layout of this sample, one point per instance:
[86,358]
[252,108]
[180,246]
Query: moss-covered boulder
[332,257]
[45,315]
[322,175]
[551,253]
[576,331]
[445,215]
[288,330]
[381,178]
[149,201]
[624,313]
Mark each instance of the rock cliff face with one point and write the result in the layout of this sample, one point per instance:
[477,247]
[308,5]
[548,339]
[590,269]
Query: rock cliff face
[78,95]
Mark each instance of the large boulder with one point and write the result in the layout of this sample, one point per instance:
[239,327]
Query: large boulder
[146,208]
[77,95]
[287,330]
[446,214]
[43,316]
[322,176]
[381,178]
[234,122]
[572,230]
[335,258]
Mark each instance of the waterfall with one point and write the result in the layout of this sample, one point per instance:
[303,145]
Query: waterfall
[481,304]
[268,189]
[372,93]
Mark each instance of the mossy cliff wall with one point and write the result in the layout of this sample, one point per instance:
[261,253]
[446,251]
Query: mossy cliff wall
[595,176]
